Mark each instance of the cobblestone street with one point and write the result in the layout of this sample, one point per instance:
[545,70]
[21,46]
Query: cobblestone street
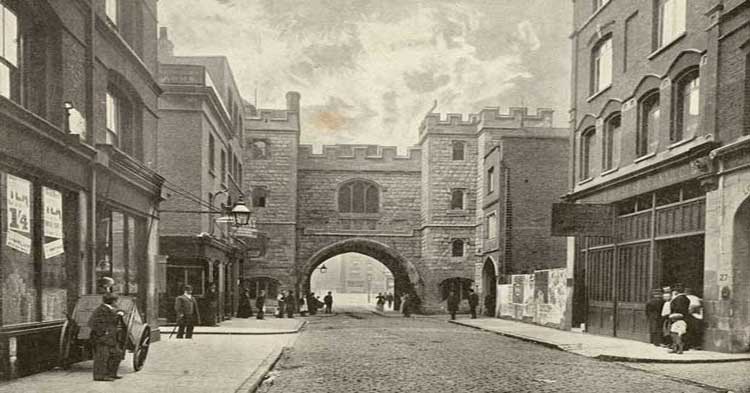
[361,352]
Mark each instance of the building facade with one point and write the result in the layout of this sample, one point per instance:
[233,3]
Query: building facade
[80,195]
[419,214]
[200,147]
[653,114]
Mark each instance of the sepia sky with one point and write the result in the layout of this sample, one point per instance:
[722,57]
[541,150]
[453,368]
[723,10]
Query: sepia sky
[369,70]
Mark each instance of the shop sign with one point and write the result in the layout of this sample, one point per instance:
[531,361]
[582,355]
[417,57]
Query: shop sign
[53,248]
[580,219]
[53,214]
[19,242]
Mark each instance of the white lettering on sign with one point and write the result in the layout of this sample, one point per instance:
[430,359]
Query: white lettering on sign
[18,242]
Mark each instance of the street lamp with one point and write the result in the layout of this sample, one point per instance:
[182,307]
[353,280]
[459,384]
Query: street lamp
[323,269]
[240,213]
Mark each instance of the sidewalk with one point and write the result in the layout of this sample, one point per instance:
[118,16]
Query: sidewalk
[594,346]
[251,326]
[209,363]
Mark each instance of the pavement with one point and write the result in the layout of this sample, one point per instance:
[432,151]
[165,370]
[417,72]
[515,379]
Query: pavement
[358,351]
[250,326]
[594,346]
[207,363]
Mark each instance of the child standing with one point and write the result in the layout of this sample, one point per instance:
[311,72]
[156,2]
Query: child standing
[678,328]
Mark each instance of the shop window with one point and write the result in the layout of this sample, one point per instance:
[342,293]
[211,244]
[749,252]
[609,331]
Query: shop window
[649,113]
[671,20]
[257,284]
[260,195]
[668,195]
[457,248]
[458,150]
[686,106]
[601,65]
[259,149]
[179,276]
[612,142]
[34,226]
[359,196]
[9,49]
[119,249]
[587,147]
[457,199]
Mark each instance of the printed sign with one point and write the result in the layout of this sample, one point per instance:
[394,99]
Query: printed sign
[18,242]
[19,203]
[52,213]
[53,248]
[541,286]
[574,219]
[518,282]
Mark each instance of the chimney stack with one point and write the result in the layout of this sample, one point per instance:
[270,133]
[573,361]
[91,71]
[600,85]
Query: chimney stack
[292,101]
[166,47]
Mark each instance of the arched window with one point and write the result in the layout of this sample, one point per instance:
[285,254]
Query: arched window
[359,196]
[458,150]
[601,65]
[587,146]
[611,153]
[457,248]
[649,113]
[686,106]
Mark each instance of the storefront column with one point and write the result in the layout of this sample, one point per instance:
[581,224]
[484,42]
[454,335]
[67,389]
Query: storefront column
[152,299]
[83,262]
[222,290]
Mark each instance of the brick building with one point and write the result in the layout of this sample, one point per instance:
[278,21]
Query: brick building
[657,87]
[419,214]
[78,104]
[199,150]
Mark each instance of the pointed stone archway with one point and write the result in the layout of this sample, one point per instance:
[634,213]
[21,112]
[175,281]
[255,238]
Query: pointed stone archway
[489,288]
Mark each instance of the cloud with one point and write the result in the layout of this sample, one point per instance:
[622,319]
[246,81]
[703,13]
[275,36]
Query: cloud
[368,71]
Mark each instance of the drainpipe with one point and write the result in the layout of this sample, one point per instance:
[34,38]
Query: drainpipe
[91,139]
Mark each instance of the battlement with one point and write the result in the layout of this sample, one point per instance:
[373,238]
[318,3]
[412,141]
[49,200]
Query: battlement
[359,158]
[272,119]
[517,117]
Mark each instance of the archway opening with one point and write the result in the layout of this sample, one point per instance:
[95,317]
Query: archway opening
[355,280]
[489,288]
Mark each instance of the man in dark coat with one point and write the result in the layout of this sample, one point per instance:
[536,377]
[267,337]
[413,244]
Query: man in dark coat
[104,332]
[680,304]
[186,308]
[290,303]
[328,300]
[452,302]
[653,315]
[260,304]
[473,303]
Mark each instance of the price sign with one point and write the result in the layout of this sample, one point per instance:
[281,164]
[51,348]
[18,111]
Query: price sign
[19,204]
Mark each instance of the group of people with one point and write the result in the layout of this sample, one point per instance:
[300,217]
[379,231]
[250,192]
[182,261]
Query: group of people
[453,301]
[382,299]
[287,304]
[675,317]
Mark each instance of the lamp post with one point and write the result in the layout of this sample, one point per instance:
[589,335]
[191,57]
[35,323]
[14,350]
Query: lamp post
[323,269]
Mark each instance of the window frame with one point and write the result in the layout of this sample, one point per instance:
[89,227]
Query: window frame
[211,154]
[455,191]
[257,198]
[609,142]
[13,66]
[587,142]
[596,64]
[112,11]
[643,137]
[455,247]
[488,219]
[662,40]
[223,167]
[456,153]
[491,180]
[679,131]
[348,186]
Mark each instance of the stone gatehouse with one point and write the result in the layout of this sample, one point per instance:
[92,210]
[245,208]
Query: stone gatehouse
[417,213]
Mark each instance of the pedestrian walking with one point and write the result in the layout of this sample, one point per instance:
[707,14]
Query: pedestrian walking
[303,308]
[665,312]
[280,305]
[244,308]
[473,303]
[678,329]
[107,351]
[260,304]
[188,315]
[452,302]
[328,300]
[680,304]
[389,299]
[289,303]
[312,303]
[380,302]
[695,332]
[653,315]
[406,305]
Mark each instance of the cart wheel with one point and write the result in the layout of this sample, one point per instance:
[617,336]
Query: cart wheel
[67,336]
[141,349]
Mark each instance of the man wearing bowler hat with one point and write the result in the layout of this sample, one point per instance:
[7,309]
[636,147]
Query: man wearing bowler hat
[107,350]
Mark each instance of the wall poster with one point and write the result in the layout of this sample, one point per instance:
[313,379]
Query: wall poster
[18,201]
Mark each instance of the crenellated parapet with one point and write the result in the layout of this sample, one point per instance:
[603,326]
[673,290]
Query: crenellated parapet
[456,123]
[272,120]
[359,158]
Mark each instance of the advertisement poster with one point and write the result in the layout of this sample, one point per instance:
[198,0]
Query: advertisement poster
[518,282]
[53,248]
[19,203]
[19,242]
[541,286]
[52,213]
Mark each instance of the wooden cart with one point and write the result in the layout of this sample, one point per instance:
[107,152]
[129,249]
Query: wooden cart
[74,336]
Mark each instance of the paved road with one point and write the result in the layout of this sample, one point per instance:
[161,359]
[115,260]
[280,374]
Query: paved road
[362,352]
